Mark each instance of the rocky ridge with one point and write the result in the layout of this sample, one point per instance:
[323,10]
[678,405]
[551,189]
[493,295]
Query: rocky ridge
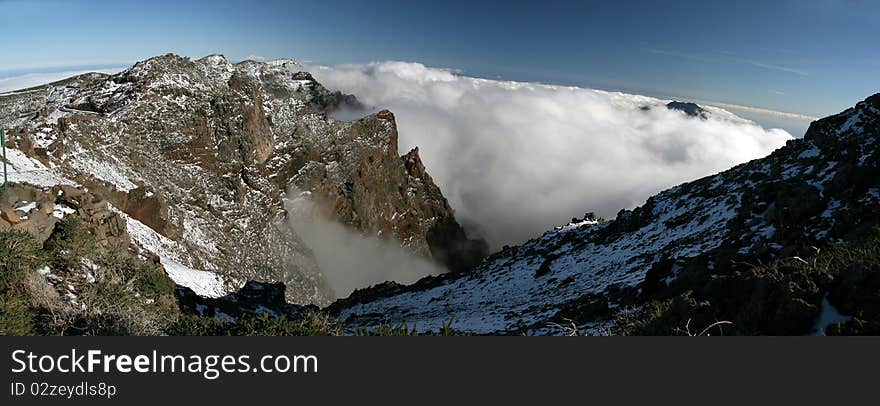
[197,157]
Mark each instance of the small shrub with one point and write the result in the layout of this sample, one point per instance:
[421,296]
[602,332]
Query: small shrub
[109,296]
[19,254]
[153,283]
[194,325]
[122,267]
[402,329]
[253,325]
[69,242]
[16,316]
[266,325]
[781,298]
[112,309]
[385,330]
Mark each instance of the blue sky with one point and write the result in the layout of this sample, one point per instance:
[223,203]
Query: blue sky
[809,57]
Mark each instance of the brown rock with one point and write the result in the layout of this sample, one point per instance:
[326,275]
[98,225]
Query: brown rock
[46,206]
[386,115]
[413,163]
[380,193]
[22,141]
[257,131]
[10,215]
[38,224]
[149,208]
[68,194]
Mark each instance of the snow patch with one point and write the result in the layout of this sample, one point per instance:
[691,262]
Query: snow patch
[203,283]
[828,316]
[27,207]
[102,171]
[24,169]
[850,124]
[810,153]
[61,210]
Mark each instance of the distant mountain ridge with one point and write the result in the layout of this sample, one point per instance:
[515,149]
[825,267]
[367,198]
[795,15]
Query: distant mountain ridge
[691,109]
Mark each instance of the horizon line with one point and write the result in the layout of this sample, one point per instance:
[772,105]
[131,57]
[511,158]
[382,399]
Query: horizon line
[60,68]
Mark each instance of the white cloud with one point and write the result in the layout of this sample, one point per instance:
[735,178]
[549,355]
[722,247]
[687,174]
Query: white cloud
[793,116]
[770,66]
[25,81]
[730,56]
[348,259]
[515,159]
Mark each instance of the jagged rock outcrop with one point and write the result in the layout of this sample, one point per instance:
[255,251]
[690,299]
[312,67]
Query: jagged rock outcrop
[693,251]
[37,211]
[198,155]
[359,180]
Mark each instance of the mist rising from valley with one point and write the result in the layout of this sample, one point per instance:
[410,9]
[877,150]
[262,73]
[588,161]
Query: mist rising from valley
[349,259]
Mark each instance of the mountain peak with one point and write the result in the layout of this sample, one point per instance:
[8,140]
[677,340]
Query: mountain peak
[214,59]
[413,163]
[874,100]
[691,109]
[863,118]
[283,62]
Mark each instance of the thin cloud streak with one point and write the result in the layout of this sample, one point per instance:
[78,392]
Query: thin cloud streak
[759,110]
[729,56]
[775,67]
[683,55]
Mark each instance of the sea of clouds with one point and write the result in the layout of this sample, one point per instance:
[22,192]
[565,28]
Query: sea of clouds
[516,159]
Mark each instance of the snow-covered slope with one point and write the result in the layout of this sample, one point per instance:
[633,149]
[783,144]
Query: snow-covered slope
[820,189]
[24,169]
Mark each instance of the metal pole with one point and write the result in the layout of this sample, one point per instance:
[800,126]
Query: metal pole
[5,184]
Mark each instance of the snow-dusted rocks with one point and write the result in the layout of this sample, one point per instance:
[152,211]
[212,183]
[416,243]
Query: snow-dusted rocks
[202,152]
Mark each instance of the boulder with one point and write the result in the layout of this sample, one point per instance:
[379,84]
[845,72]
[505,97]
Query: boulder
[38,224]
[46,206]
[149,208]
[9,214]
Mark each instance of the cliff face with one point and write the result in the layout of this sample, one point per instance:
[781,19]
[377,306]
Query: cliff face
[358,179]
[199,155]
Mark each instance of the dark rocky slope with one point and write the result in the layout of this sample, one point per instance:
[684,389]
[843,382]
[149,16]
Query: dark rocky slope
[739,246]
